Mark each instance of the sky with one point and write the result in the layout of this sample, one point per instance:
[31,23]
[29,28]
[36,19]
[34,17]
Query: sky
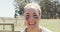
[6,8]
[57,0]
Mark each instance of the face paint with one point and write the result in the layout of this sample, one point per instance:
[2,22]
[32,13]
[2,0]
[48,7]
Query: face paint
[34,16]
[27,17]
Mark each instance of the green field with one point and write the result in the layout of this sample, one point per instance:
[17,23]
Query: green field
[52,24]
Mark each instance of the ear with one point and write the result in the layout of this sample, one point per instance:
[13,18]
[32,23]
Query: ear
[39,13]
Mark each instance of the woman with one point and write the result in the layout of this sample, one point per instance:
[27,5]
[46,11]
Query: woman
[32,13]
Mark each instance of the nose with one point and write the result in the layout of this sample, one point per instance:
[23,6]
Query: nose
[31,18]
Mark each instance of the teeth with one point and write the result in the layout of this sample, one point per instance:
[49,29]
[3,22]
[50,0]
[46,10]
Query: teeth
[31,23]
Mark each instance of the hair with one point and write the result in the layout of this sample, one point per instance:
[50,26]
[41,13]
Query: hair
[33,5]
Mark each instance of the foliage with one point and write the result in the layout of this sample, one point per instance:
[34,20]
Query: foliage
[49,9]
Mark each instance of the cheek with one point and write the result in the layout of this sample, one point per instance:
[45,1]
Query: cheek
[26,18]
[37,20]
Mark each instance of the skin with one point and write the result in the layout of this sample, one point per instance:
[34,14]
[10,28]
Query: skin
[32,23]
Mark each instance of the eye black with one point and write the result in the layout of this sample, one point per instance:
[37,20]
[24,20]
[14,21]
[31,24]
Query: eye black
[27,16]
[35,16]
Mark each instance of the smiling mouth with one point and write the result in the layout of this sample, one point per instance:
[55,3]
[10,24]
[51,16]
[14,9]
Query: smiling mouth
[32,24]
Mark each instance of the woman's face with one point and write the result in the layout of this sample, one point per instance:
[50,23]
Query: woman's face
[32,17]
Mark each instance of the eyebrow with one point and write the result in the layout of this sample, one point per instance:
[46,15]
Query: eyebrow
[34,13]
[27,13]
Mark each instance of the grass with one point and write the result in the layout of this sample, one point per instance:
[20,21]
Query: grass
[52,24]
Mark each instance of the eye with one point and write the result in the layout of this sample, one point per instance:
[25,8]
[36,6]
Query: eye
[35,16]
[27,17]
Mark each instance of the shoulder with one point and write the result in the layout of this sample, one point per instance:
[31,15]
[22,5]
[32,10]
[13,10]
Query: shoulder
[24,30]
[45,29]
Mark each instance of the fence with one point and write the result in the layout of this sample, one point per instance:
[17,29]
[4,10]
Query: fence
[11,24]
[4,28]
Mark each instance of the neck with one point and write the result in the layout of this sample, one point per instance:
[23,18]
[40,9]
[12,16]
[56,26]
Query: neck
[33,30]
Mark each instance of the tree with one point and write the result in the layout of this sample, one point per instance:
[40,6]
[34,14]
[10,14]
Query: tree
[49,8]
[19,4]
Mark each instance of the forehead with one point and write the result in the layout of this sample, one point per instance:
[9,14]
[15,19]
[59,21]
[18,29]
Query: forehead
[31,10]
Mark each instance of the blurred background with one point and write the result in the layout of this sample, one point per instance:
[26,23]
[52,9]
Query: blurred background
[50,8]
[12,18]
